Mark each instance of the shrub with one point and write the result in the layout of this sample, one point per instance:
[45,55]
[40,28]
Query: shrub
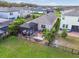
[64,33]
[49,35]
[14,27]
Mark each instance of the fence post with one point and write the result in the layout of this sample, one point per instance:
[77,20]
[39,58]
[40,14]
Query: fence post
[72,50]
[78,52]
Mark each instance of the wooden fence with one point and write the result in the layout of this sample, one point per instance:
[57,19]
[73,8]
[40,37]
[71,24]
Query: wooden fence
[71,50]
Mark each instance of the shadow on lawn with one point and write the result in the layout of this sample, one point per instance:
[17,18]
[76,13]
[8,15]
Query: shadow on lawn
[6,38]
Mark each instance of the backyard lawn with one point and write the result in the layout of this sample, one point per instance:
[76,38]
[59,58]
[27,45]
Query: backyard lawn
[36,15]
[14,47]
[57,14]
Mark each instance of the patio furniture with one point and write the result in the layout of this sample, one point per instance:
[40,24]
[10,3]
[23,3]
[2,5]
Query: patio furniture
[38,39]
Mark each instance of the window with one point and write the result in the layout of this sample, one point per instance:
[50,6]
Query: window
[78,27]
[78,20]
[12,18]
[66,26]
[63,18]
[63,25]
[11,13]
[43,26]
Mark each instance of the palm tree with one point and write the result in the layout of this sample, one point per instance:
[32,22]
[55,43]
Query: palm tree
[49,35]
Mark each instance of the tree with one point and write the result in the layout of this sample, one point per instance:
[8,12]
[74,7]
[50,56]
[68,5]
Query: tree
[64,33]
[14,27]
[22,4]
[57,25]
[58,10]
[49,35]
[33,16]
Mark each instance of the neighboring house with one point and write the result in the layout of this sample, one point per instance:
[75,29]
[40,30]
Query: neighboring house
[42,10]
[39,10]
[24,12]
[38,24]
[9,14]
[4,26]
[67,11]
[14,12]
[70,21]
[4,23]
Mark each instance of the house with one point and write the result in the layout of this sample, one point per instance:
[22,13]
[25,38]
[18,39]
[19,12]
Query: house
[4,26]
[9,13]
[63,11]
[14,12]
[38,24]
[24,12]
[38,10]
[29,28]
[44,10]
[70,21]
[46,21]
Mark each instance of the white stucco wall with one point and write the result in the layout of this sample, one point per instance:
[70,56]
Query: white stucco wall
[24,12]
[46,25]
[69,20]
[7,15]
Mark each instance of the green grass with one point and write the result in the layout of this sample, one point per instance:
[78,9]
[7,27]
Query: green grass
[58,14]
[36,16]
[14,47]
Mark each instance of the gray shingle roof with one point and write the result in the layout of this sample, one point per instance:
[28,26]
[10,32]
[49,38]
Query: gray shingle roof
[12,9]
[7,9]
[4,22]
[73,13]
[45,19]
[28,25]
[48,19]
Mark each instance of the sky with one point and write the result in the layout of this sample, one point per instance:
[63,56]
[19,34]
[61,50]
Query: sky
[48,2]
